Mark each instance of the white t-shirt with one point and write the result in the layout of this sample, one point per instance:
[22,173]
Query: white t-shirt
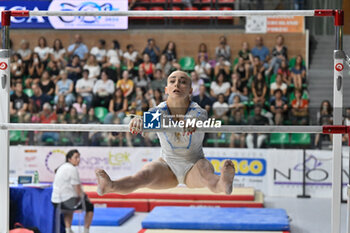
[132,56]
[93,70]
[196,86]
[274,86]
[67,175]
[85,84]
[114,56]
[99,53]
[220,108]
[57,54]
[42,51]
[108,86]
[201,70]
[220,89]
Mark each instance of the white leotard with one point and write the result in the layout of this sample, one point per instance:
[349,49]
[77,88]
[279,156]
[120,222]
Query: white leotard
[180,151]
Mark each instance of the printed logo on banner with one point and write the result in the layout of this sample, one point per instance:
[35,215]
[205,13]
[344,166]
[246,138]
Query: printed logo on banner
[151,120]
[89,22]
[339,67]
[3,66]
[53,159]
[244,166]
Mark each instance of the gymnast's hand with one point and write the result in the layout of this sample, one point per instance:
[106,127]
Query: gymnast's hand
[135,125]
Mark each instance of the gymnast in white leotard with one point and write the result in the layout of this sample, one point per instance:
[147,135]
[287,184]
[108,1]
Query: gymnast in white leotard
[182,158]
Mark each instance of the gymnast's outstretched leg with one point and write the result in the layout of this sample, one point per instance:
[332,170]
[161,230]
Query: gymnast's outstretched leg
[154,175]
[202,175]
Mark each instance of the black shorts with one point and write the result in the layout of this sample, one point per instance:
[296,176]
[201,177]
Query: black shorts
[75,203]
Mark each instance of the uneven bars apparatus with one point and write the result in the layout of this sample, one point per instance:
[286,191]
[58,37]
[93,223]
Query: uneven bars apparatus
[339,57]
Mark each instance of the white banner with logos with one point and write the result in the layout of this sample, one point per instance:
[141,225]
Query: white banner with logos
[276,172]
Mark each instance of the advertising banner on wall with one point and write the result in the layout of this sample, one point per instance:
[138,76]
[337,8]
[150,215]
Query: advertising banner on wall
[68,22]
[275,24]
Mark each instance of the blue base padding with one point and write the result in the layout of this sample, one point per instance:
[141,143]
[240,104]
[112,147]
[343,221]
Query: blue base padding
[206,218]
[106,216]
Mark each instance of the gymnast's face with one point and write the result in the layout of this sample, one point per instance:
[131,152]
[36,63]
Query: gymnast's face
[179,85]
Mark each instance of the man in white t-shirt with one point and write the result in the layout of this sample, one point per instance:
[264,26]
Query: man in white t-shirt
[100,51]
[85,86]
[221,108]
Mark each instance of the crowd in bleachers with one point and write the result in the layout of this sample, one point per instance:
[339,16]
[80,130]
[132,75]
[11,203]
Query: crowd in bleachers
[103,84]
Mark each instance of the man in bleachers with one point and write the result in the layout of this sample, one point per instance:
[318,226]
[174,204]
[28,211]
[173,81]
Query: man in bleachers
[261,51]
[19,103]
[152,50]
[78,48]
[38,98]
[203,99]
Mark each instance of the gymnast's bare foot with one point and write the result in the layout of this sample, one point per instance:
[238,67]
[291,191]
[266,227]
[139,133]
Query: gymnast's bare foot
[104,183]
[227,175]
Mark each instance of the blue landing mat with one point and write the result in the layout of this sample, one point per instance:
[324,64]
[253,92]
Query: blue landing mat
[206,218]
[106,216]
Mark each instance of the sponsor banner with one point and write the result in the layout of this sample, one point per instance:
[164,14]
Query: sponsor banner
[68,22]
[275,24]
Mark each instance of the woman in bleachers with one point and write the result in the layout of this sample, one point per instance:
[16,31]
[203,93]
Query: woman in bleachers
[65,87]
[164,65]
[170,53]
[203,68]
[126,84]
[74,69]
[103,90]
[324,117]
[237,88]
[72,117]
[278,84]
[47,85]
[279,53]
[245,53]
[35,69]
[93,67]
[196,83]
[147,66]
[43,50]
[158,96]
[118,106]
[259,89]
[298,73]
[99,51]
[142,80]
[58,54]
[278,107]
[114,57]
[131,57]
[219,86]
[300,112]
[203,51]
[17,69]
[25,53]
[285,73]
[242,69]
[222,66]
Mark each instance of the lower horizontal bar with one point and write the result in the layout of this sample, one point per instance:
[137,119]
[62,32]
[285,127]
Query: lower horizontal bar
[125,128]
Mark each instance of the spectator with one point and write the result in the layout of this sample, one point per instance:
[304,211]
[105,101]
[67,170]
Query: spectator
[147,66]
[260,50]
[68,194]
[158,82]
[74,69]
[223,50]
[47,116]
[170,52]
[78,48]
[152,50]
[72,117]
[203,69]
[259,89]
[278,107]
[118,105]
[164,65]
[220,87]
[61,108]
[54,71]
[126,84]
[84,87]
[258,66]
[158,97]
[196,83]
[221,109]
[58,53]
[300,109]
[242,69]
[237,119]
[91,138]
[202,99]
[43,50]
[222,66]
[257,119]
[236,106]
[298,73]
[93,67]
[245,53]
[100,52]
[19,104]
[38,98]
[131,57]
[138,99]
[278,84]
[65,87]
[324,117]
[24,51]
[142,80]
[17,68]
[46,85]
[279,53]
[237,89]
[203,52]
[285,73]
[103,90]
[35,69]
[80,107]
[114,57]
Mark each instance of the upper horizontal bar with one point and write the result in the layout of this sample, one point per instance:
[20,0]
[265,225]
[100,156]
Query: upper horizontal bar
[173,13]
[125,128]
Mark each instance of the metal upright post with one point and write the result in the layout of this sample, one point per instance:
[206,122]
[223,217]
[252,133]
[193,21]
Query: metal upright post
[4,118]
[337,119]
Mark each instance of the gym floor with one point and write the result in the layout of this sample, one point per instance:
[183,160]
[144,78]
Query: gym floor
[307,216]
